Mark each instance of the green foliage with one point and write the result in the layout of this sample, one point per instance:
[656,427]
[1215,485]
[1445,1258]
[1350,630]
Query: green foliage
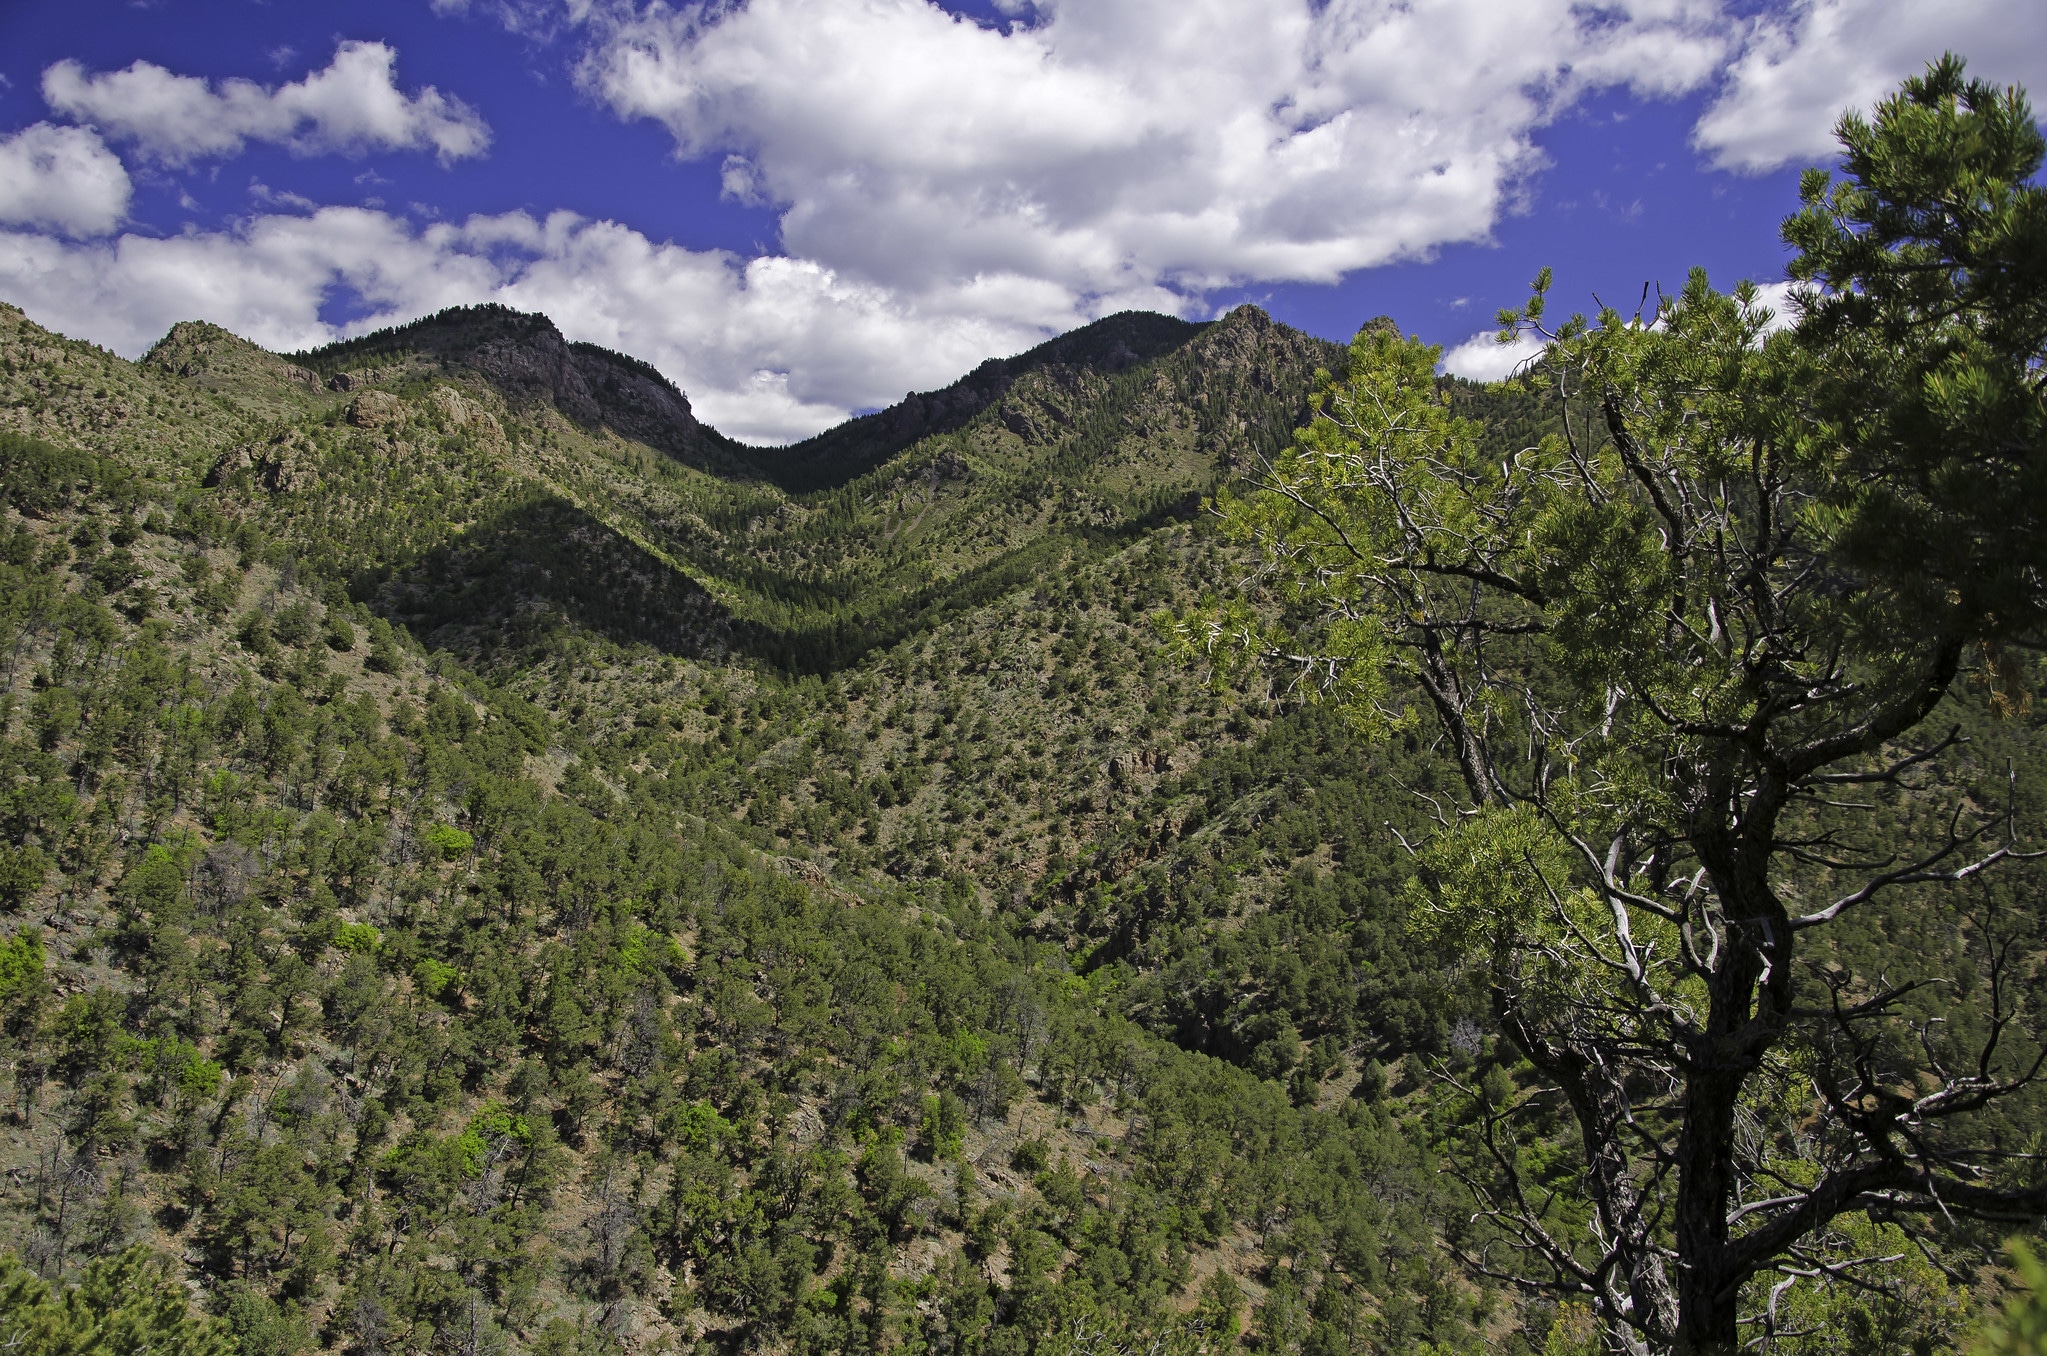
[1926,326]
[451,843]
[699,1128]
[1652,641]
[125,1305]
[358,938]
[40,478]
[436,979]
[21,970]
[943,1126]
[1891,1301]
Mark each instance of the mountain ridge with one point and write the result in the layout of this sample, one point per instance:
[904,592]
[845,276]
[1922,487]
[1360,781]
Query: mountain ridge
[862,442]
[477,882]
[526,357]
[914,512]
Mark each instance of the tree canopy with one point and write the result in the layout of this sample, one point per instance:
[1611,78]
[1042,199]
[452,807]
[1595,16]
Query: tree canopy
[1686,651]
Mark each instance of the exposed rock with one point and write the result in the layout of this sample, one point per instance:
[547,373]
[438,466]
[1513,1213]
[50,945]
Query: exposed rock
[285,464]
[1017,418]
[526,359]
[454,409]
[948,465]
[232,366]
[592,386]
[374,409]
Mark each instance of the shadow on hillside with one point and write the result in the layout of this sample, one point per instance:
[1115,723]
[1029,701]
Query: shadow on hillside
[523,583]
[844,453]
[824,640]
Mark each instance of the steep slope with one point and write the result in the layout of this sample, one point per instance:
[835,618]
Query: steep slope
[258,382]
[1074,448]
[832,458]
[494,486]
[79,395]
[443,916]
[394,1006]
[526,361]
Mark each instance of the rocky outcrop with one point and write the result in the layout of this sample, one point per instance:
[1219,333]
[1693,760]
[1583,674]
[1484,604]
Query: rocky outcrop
[287,463]
[528,362]
[375,409]
[454,409]
[195,349]
[253,378]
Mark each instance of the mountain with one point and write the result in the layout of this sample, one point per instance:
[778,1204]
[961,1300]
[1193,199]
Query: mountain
[529,365]
[452,889]
[492,865]
[591,498]
[1106,347]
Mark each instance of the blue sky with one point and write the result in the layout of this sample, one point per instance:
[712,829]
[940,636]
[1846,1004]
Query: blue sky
[803,208]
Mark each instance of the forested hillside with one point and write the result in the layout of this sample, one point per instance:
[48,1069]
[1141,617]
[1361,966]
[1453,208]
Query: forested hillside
[492,865]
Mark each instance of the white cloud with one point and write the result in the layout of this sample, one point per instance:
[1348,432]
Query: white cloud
[352,106]
[62,178]
[1776,297]
[1483,357]
[271,197]
[768,350]
[1801,69]
[1133,148]
[950,190]
[537,20]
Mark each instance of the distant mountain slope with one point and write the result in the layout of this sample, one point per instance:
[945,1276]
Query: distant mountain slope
[526,361]
[492,484]
[1047,458]
[1111,345]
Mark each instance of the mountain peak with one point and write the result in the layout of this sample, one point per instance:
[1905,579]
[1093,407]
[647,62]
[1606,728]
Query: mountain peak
[525,357]
[228,365]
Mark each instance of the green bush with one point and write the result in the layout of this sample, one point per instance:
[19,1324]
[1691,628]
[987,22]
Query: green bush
[450,842]
[436,979]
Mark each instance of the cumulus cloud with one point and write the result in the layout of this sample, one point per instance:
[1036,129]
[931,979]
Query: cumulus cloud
[352,106]
[949,190]
[1800,69]
[1483,357]
[769,349]
[63,179]
[1132,149]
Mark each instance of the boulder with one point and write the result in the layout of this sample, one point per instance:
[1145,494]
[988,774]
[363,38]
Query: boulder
[374,409]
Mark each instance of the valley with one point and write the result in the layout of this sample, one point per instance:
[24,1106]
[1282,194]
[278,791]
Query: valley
[493,865]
